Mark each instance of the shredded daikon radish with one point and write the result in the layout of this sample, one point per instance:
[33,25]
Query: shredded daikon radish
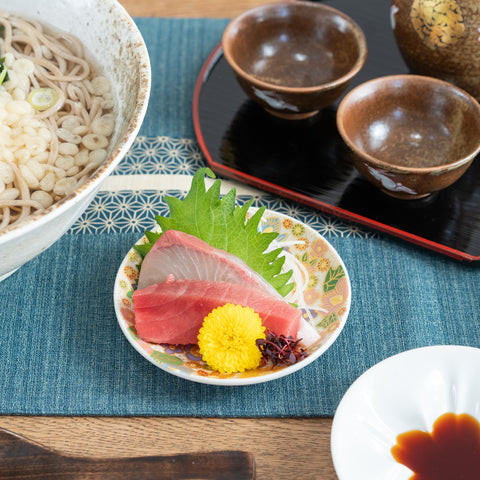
[299,275]
[300,278]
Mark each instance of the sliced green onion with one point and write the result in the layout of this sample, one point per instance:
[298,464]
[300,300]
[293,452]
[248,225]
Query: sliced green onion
[42,98]
[3,71]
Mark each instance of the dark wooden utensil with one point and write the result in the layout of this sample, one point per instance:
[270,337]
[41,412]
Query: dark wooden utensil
[22,458]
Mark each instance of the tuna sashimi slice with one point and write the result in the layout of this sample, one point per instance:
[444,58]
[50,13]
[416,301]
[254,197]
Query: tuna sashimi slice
[186,256]
[173,311]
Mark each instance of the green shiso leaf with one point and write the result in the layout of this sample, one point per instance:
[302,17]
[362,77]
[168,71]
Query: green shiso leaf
[222,224]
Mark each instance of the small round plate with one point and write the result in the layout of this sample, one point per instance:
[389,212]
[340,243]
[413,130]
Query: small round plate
[326,293]
[408,391]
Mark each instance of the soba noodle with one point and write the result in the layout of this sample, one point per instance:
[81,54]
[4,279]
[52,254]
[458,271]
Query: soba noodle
[47,150]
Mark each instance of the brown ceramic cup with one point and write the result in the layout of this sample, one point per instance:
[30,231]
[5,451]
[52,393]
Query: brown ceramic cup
[410,135]
[294,57]
[440,39]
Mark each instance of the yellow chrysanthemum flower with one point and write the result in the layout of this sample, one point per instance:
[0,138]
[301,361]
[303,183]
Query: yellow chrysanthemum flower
[227,339]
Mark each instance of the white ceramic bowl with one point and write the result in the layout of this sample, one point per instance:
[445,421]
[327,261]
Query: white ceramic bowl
[408,391]
[114,43]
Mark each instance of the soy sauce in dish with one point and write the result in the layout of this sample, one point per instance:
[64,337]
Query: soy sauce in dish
[450,451]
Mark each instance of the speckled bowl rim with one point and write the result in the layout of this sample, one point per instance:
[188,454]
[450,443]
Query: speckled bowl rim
[121,147]
[362,43]
[343,106]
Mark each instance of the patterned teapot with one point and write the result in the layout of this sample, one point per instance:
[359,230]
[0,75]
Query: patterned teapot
[440,38]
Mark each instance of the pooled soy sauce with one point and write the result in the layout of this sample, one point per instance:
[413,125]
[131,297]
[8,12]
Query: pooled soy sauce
[450,452]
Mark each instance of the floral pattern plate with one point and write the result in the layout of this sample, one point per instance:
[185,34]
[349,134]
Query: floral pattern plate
[323,279]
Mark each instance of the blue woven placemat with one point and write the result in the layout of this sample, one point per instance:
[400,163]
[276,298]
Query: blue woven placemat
[62,352]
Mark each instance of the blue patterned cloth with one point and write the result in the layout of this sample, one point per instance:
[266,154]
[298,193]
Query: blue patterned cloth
[62,352]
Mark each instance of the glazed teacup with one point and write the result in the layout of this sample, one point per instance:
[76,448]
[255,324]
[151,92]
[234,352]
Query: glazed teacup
[410,135]
[294,58]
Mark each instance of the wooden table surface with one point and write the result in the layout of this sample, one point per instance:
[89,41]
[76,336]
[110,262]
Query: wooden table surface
[294,448]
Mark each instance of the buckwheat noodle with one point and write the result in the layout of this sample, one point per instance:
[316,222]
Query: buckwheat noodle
[47,153]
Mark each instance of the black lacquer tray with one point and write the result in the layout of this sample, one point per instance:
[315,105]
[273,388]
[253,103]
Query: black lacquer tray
[308,162]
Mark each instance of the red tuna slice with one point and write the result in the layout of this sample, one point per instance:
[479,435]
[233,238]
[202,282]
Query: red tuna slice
[186,256]
[173,312]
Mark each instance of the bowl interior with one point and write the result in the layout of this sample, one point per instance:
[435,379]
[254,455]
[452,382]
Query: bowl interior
[110,42]
[114,47]
[294,44]
[411,121]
